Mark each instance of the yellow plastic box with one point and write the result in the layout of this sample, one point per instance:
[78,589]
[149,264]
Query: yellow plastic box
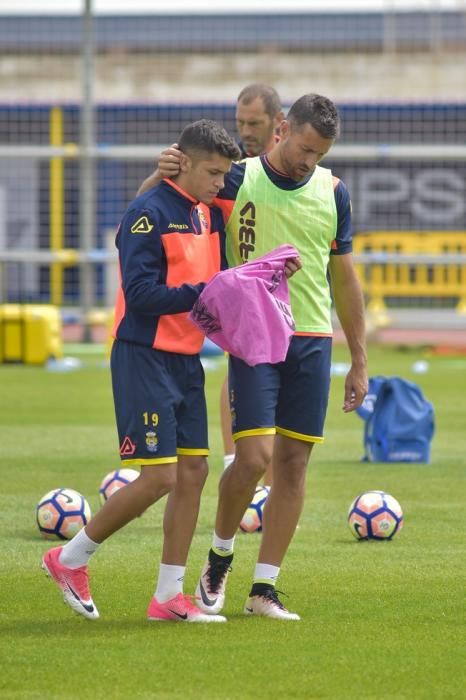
[30,333]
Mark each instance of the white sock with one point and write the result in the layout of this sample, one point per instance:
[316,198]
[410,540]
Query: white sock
[227,460]
[170,582]
[222,547]
[266,573]
[78,551]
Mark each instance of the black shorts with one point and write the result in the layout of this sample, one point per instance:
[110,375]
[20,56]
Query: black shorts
[289,398]
[160,404]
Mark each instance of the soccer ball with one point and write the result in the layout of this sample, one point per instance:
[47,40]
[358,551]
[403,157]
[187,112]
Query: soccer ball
[375,515]
[252,519]
[114,481]
[61,513]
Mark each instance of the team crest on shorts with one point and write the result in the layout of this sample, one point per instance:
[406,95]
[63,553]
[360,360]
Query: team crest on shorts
[152,441]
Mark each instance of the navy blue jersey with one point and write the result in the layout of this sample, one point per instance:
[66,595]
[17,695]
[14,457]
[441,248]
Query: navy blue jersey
[169,245]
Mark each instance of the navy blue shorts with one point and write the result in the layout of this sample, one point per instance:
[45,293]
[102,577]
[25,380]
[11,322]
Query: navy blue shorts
[160,404]
[289,397]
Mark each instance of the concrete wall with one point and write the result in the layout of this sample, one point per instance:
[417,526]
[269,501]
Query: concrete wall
[439,76]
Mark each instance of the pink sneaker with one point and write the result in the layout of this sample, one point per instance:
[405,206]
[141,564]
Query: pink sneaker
[74,584]
[179,609]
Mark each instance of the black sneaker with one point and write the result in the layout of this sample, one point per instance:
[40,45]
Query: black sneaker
[210,591]
[264,601]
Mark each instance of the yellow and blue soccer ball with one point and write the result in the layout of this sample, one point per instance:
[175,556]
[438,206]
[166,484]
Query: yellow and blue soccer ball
[252,519]
[375,515]
[113,481]
[61,513]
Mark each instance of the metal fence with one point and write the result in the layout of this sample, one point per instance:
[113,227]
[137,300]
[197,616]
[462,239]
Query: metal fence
[70,163]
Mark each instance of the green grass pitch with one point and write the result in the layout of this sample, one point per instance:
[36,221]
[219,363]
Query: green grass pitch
[379,620]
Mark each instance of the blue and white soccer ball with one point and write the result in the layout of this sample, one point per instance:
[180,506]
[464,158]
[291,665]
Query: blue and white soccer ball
[375,515]
[61,513]
[252,519]
[115,480]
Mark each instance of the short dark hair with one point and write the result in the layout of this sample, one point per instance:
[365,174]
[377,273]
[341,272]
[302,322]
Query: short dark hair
[268,95]
[319,112]
[208,136]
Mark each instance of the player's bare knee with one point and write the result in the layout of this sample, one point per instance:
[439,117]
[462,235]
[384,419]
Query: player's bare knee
[157,481]
[192,472]
[291,458]
[253,456]
[290,474]
[250,468]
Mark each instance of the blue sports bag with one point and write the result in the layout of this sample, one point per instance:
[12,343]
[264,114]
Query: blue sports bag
[398,421]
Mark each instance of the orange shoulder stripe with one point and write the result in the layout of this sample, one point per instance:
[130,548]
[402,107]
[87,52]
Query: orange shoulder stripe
[226,206]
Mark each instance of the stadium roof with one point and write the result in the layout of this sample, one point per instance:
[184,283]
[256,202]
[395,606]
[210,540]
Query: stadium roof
[116,7]
[236,32]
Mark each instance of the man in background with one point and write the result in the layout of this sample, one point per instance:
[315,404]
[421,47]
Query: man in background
[258,117]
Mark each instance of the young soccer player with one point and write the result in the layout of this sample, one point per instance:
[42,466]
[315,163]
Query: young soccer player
[170,243]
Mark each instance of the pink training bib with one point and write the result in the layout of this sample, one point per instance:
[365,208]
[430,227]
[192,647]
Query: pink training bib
[246,309]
